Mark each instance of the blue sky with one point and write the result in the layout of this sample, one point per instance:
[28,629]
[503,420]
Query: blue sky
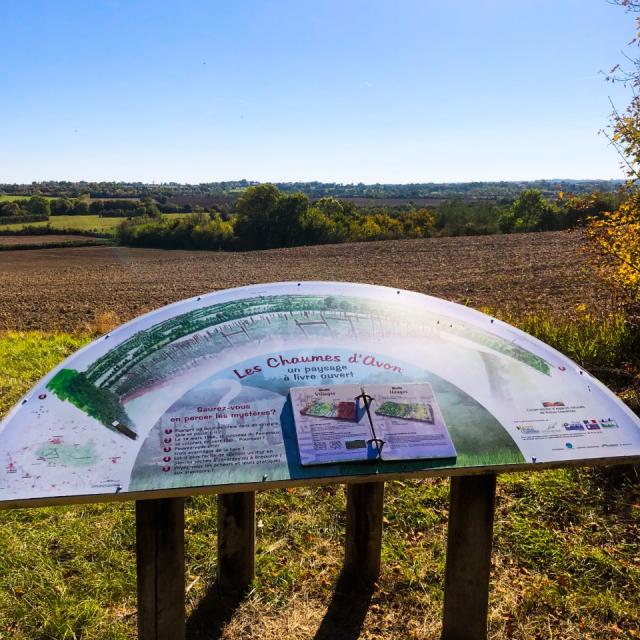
[346,91]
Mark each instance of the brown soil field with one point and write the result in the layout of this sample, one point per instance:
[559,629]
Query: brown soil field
[70,288]
[44,240]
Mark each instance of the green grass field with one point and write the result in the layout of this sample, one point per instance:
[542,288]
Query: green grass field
[566,560]
[79,223]
[6,198]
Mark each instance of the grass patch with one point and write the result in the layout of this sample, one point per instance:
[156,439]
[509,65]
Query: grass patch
[78,223]
[565,560]
[27,356]
[605,341]
[9,198]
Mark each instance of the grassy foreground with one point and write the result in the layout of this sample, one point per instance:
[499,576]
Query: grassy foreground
[566,561]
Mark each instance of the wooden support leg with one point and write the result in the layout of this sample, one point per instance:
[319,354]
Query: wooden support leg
[160,565]
[364,531]
[236,541]
[466,586]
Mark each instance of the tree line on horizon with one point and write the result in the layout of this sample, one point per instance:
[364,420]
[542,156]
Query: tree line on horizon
[39,208]
[264,217]
[169,192]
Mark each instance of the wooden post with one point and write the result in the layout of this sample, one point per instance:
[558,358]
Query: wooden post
[236,541]
[160,565]
[363,540]
[466,586]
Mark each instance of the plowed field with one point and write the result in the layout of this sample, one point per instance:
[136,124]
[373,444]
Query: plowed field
[68,288]
[51,240]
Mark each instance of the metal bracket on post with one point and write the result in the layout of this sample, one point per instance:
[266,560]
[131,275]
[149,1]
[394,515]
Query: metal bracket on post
[363,541]
[160,568]
[236,541]
[466,587]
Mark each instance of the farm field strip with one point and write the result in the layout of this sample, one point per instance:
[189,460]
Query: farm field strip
[67,288]
[46,239]
[80,223]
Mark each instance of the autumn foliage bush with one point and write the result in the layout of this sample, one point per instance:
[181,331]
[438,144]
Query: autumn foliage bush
[616,233]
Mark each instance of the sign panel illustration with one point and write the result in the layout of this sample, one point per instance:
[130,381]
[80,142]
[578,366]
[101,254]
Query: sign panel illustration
[197,394]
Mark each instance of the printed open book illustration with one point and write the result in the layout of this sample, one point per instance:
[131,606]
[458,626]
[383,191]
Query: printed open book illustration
[349,423]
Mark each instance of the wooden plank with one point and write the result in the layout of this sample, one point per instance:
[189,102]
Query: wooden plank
[466,587]
[382,474]
[363,540]
[236,541]
[160,566]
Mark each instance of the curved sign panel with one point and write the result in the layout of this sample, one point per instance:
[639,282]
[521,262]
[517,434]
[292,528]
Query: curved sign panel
[258,384]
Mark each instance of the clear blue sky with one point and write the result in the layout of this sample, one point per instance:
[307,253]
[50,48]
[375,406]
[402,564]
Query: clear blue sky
[334,90]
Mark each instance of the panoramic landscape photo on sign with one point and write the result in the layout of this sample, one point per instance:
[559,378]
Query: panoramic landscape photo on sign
[294,381]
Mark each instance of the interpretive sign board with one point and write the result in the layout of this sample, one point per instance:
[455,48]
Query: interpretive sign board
[197,394]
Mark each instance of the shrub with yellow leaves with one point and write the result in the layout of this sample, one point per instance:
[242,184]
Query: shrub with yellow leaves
[616,234]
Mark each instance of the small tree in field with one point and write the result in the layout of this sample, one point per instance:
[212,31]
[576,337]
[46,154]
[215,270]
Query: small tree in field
[38,206]
[532,212]
[10,209]
[616,234]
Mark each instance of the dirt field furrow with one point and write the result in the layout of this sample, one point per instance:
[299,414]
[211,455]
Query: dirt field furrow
[68,288]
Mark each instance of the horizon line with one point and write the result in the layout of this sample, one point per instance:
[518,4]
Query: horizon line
[293,182]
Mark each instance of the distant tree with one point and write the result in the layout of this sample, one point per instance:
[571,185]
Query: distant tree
[269,218]
[81,208]
[150,208]
[330,206]
[256,209]
[318,228]
[577,210]
[96,207]
[10,209]
[39,206]
[61,207]
[367,229]
[532,212]
[287,220]
[417,223]
[195,231]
